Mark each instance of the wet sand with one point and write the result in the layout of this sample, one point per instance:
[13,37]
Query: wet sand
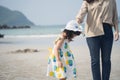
[33,65]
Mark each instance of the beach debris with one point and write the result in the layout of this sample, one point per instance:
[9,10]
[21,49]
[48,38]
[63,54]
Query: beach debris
[1,35]
[27,50]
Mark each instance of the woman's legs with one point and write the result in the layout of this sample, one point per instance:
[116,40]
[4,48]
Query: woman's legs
[103,43]
[94,48]
[106,47]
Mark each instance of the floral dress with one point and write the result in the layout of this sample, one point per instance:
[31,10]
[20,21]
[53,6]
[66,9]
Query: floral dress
[69,68]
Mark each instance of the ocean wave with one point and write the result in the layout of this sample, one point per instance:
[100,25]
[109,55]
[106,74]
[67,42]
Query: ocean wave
[30,36]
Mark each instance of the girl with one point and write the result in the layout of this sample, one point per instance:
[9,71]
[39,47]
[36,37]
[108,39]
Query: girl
[61,62]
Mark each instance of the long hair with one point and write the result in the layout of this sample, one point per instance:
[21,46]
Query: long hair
[90,1]
[70,33]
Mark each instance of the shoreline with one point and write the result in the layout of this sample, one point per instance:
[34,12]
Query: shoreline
[31,36]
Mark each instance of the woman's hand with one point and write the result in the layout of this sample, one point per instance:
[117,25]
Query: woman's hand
[60,64]
[116,35]
[79,20]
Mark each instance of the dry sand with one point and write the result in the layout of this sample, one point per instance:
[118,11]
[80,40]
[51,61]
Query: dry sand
[33,65]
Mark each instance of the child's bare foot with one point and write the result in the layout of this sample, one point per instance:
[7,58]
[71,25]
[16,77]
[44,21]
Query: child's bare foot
[63,79]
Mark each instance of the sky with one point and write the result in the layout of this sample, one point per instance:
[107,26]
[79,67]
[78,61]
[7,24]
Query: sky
[47,12]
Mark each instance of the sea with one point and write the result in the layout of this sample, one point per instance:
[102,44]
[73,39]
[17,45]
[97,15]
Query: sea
[34,31]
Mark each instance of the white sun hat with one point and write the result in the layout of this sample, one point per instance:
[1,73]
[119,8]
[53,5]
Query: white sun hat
[74,26]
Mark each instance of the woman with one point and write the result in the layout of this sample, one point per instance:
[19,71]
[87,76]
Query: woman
[101,16]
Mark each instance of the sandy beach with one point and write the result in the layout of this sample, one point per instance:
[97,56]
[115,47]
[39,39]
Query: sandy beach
[32,65]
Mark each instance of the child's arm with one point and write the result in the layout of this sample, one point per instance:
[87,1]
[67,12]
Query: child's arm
[56,51]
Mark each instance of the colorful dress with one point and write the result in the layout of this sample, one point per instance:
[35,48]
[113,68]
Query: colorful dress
[69,68]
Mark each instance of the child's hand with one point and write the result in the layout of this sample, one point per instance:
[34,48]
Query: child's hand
[60,64]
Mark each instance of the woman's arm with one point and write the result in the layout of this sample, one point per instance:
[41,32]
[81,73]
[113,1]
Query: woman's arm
[115,22]
[82,12]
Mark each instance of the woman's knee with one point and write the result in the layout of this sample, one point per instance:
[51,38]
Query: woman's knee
[95,61]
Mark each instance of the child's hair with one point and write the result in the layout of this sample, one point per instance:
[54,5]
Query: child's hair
[70,33]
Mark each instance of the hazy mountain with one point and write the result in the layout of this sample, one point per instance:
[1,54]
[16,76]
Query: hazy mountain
[12,18]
